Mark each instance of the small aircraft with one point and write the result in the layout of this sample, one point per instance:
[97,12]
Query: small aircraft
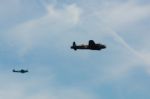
[20,71]
[91,46]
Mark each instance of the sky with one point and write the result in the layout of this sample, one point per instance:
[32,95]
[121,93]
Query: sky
[37,35]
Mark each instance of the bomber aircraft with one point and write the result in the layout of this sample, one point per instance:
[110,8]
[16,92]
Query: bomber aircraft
[20,71]
[91,46]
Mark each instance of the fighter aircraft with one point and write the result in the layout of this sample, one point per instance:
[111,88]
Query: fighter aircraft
[91,46]
[20,71]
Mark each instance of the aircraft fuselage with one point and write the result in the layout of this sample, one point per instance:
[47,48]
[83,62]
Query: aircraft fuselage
[20,71]
[90,46]
[96,47]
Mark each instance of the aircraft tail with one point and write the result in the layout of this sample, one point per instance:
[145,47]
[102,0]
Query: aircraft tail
[74,46]
[14,70]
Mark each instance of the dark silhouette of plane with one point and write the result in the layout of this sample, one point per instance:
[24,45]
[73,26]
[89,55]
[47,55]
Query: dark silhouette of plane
[20,71]
[91,46]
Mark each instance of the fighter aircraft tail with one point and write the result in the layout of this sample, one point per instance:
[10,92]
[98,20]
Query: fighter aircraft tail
[14,70]
[74,46]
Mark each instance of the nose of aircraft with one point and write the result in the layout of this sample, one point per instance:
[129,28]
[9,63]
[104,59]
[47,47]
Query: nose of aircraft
[104,46]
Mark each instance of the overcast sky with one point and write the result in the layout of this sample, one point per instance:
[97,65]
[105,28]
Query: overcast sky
[37,35]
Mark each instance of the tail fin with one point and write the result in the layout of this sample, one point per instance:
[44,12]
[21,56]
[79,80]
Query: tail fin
[74,46]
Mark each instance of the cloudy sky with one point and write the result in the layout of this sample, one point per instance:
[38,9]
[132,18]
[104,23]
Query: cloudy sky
[37,35]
